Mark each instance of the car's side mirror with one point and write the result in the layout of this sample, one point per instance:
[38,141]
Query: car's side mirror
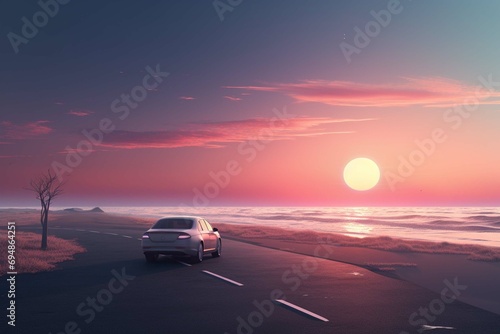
[215,229]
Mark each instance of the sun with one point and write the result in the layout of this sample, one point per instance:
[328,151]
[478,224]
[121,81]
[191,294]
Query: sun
[361,174]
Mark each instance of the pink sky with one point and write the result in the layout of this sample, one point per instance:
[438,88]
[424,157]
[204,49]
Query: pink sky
[162,111]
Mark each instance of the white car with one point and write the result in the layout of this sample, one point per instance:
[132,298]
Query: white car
[181,236]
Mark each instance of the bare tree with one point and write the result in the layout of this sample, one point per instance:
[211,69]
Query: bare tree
[46,189]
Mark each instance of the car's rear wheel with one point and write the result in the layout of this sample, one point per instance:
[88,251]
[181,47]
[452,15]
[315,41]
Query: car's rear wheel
[218,250]
[151,257]
[199,255]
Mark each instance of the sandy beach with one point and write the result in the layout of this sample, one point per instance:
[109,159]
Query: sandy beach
[428,270]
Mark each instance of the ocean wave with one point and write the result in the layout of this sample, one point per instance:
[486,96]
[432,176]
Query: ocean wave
[416,216]
[485,218]
[482,225]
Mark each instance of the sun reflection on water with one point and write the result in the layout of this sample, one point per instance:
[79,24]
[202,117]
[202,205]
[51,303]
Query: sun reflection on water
[357,230]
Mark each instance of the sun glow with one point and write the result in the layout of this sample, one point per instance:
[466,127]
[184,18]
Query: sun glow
[361,174]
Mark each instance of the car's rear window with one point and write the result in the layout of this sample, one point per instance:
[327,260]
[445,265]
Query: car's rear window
[174,223]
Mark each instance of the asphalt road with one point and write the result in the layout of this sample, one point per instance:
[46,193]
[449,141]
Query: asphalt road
[111,289]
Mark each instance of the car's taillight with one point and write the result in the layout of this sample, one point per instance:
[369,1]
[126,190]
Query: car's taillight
[145,236]
[183,236]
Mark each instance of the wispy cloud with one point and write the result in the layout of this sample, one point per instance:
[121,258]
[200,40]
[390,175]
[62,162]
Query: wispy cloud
[232,98]
[220,134]
[79,113]
[24,131]
[426,91]
[187,98]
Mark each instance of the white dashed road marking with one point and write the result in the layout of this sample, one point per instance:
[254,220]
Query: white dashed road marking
[184,263]
[302,310]
[98,232]
[222,278]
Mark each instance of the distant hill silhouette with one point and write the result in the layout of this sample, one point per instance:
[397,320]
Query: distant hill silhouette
[73,210]
[96,209]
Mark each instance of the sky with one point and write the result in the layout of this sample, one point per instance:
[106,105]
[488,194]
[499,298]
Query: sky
[225,103]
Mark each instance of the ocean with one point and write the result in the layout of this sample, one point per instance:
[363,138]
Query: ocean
[464,225]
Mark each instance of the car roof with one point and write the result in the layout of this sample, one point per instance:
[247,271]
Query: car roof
[181,217]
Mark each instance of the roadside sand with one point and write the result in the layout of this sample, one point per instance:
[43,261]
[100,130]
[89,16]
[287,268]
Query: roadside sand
[28,256]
